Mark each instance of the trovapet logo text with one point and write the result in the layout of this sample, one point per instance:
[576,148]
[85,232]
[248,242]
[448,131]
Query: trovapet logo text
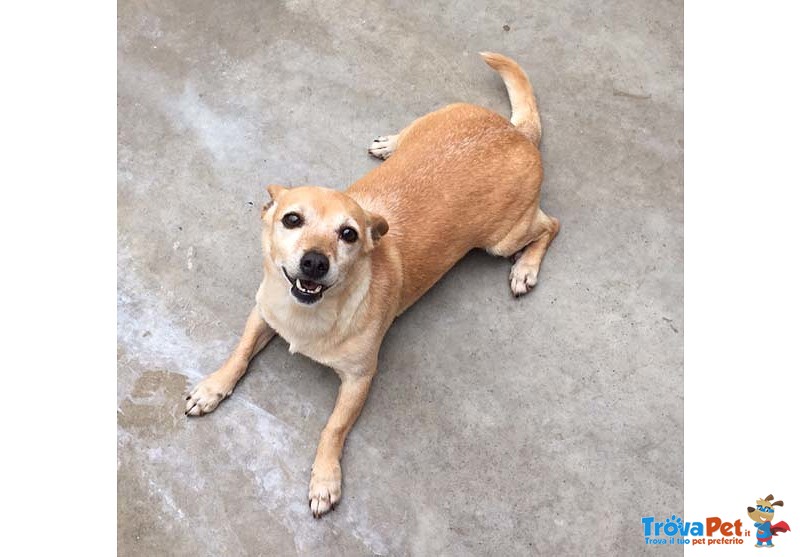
[674,531]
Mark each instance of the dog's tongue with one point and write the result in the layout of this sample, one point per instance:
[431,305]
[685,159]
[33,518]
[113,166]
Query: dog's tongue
[308,284]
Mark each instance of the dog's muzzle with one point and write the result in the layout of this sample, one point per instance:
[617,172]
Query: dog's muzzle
[304,290]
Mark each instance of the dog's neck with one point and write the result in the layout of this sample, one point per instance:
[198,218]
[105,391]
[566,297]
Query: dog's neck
[324,323]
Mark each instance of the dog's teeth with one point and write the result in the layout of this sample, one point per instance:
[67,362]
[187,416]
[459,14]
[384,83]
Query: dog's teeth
[316,290]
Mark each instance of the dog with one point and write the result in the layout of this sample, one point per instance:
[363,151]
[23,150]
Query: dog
[339,267]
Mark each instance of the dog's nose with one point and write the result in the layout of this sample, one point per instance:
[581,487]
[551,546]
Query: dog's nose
[314,265]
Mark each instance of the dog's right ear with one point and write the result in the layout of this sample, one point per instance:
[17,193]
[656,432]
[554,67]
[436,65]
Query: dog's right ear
[274,191]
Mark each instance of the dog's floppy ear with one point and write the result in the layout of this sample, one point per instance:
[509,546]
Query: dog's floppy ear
[377,226]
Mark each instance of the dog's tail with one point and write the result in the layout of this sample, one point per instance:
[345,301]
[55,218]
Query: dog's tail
[524,113]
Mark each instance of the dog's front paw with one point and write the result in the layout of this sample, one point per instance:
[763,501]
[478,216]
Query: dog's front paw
[325,488]
[207,395]
[523,278]
[383,147]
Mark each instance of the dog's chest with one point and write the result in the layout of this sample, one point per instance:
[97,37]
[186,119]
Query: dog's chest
[311,332]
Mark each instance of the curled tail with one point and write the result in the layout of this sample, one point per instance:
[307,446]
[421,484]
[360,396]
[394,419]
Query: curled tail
[524,113]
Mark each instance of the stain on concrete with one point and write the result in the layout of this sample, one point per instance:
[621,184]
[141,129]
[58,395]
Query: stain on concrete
[153,405]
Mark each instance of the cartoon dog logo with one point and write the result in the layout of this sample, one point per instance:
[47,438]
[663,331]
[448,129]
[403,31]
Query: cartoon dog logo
[762,516]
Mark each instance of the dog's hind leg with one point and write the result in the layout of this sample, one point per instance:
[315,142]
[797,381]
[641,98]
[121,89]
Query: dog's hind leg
[525,271]
[382,147]
[385,146]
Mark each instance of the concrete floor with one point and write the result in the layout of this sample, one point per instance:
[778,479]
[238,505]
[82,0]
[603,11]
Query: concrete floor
[496,426]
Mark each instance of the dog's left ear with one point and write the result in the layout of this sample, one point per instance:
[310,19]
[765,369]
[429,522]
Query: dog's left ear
[377,226]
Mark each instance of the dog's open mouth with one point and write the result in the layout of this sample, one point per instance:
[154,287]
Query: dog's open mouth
[306,291]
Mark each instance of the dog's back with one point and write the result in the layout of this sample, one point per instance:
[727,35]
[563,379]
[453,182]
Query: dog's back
[460,178]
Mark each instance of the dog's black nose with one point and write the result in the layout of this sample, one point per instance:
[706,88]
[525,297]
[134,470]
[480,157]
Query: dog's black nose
[314,265]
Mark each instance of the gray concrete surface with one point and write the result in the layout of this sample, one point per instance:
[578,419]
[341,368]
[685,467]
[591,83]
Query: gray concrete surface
[545,425]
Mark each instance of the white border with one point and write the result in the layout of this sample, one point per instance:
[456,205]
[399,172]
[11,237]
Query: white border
[58,230]
[741,252]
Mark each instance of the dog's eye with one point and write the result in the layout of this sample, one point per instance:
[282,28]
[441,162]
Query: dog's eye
[292,220]
[349,235]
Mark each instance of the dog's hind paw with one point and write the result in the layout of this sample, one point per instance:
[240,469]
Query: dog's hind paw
[523,278]
[383,147]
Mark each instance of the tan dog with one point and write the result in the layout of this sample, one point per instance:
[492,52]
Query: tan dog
[340,266]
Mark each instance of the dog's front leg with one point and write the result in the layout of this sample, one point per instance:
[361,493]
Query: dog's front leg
[207,395]
[325,488]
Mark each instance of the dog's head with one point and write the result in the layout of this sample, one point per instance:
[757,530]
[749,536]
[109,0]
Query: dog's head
[315,236]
